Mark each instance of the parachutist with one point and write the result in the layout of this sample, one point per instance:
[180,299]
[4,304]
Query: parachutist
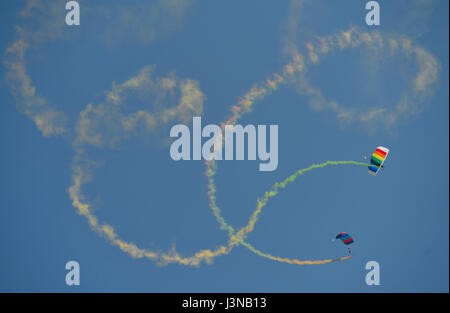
[377,160]
[346,239]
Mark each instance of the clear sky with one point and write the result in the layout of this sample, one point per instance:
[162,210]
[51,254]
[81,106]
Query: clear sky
[110,89]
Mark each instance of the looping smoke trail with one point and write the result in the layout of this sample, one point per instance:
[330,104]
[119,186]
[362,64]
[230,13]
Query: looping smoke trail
[94,129]
[81,175]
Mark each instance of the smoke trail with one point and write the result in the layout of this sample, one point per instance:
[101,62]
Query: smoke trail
[239,237]
[411,101]
[82,175]
[106,124]
[294,71]
[292,261]
[47,119]
[260,91]
[245,105]
[242,233]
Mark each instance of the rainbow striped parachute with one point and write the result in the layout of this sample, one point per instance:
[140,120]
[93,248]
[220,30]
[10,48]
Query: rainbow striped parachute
[346,238]
[377,160]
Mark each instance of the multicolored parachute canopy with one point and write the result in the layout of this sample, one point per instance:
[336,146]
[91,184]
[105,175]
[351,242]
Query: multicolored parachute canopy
[346,238]
[377,160]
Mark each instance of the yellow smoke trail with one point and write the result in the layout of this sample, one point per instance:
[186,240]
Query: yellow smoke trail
[49,121]
[409,102]
[81,176]
[94,129]
[259,91]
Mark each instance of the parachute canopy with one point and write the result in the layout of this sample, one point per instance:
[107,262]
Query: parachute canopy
[346,238]
[377,160]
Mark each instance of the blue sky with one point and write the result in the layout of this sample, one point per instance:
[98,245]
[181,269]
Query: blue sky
[222,48]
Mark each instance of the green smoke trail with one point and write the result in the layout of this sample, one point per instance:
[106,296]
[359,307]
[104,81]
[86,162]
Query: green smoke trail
[239,237]
[245,105]
[281,185]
